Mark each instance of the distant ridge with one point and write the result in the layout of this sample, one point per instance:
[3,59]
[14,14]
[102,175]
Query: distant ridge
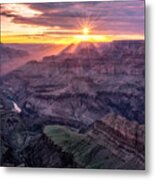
[10,53]
[82,50]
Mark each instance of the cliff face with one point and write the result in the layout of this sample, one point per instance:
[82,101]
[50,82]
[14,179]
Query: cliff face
[67,87]
[124,138]
[42,152]
[77,92]
[109,143]
[112,142]
[23,146]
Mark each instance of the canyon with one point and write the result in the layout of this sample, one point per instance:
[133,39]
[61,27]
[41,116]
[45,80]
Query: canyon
[81,108]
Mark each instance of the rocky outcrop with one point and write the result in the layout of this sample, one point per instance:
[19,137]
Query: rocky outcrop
[21,145]
[110,143]
[42,152]
[126,139]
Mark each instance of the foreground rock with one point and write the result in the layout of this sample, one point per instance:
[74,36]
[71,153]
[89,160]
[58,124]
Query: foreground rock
[21,146]
[111,143]
[106,144]
[125,139]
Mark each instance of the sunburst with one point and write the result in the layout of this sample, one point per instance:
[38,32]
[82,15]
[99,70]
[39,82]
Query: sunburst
[86,30]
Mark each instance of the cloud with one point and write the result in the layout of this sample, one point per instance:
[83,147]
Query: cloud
[113,17]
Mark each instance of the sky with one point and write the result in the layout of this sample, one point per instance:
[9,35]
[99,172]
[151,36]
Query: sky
[72,22]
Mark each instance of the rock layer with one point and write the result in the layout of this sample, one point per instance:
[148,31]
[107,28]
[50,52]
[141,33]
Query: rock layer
[124,138]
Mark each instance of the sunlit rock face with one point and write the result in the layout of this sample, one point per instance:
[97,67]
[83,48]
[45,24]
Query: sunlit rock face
[124,138]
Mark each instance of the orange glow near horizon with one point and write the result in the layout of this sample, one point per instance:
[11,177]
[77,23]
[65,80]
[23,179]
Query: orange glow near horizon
[25,33]
[84,30]
[67,40]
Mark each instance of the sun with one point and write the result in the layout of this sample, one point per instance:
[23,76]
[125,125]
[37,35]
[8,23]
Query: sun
[86,30]
[85,34]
